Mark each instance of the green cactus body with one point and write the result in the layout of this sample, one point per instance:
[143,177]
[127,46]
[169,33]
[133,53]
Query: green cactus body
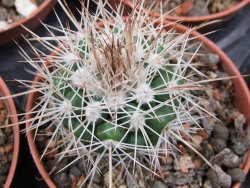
[108,131]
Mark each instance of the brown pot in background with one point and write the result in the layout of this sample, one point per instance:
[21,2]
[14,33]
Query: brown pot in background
[223,15]
[242,100]
[16,30]
[9,103]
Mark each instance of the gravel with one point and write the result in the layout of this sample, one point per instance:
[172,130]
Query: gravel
[219,178]
[237,174]
[178,178]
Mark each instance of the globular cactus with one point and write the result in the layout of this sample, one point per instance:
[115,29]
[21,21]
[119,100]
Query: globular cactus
[118,90]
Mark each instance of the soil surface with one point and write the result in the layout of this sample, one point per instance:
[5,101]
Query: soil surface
[9,14]
[6,144]
[223,142]
[193,7]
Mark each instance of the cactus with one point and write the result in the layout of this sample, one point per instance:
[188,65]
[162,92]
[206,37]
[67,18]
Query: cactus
[117,90]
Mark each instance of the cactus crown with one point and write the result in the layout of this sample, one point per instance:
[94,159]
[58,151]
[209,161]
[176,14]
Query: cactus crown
[117,89]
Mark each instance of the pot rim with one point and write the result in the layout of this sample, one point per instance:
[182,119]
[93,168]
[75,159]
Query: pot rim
[22,21]
[227,64]
[10,105]
[199,19]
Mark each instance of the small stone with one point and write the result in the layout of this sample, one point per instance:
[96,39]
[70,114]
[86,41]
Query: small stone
[186,163]
[2,139]
[62,164]
[62,180]
[178,178]
[218,178]
[9,147]
[3,17]
[214,59]
[3,179]
[221,132]
[237,174]
[218,144]
[158,184]
[239,123]
[207,184]
[227,158]
[25,7]
[75,171]
[207,150]
[197,139]
[4,168]
[240,148]
[218,95]
[8,3]
[97,178]
[194,185]
[81,166]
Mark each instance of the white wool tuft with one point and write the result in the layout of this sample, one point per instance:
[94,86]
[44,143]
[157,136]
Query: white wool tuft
[93,111]
[144,93]
[81,77]
[156,61]
[137,120]
[66,107]
[25,7]
[69,58]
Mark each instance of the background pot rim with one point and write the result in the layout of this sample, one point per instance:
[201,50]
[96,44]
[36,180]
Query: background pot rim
[199,19]
[10,105]
[227,64]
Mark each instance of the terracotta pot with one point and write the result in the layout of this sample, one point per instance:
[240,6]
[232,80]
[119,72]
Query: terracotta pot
[9,103]
[16,29]
[196,20]
[242,99]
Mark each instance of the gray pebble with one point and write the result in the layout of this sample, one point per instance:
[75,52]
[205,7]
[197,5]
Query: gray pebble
[221,132]
[75,171]
[237,174]
[62,164]
[2,180]
[194,185]
[239,123]
[207,151]
[158,184]
[3,14]
[97,178]
[81,166]
[227,158]
[11,138]
[214,59]
[62,180]
[2,139]
[207,184]
[4,168]
[218,144]
[219,178]
[178,178]
[240,148]
[8,3]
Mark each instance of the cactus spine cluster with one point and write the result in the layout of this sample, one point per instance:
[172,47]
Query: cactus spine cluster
[116,90]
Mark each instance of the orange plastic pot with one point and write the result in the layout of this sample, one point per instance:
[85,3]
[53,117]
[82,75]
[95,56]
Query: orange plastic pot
[242,97]
[16,30]
[196,20]
[9,103]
